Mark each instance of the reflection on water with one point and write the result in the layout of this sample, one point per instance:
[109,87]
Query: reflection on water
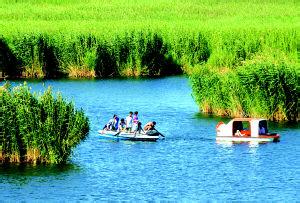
[225,144]
[251,144]
[22,174]
[187,165]
[254,144]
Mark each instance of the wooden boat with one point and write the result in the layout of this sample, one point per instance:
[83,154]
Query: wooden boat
[151,136]
[245,130]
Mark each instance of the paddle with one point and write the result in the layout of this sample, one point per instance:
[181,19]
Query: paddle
[159,132]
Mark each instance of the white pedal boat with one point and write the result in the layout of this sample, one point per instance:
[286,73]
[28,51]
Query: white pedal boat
[235,131]
[148,136]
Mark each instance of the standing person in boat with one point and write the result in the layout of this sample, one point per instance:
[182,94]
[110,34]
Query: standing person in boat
[116,122]
[129,121]
[150,126]
[135,120]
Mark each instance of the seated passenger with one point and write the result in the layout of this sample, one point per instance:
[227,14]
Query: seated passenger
[262,130]
[122,125]
[150,126]
[246,132]
[238,133]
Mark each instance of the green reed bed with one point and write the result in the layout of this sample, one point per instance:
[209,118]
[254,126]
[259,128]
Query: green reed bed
[89,38]
[38,128]
[256,89]
[139,53]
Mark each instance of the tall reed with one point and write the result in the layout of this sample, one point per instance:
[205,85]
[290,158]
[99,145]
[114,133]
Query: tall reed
[50,38]
[90,38]
[255,89]
[38,128]
[139,53]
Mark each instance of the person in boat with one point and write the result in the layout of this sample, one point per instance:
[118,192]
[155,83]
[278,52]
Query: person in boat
[139,128]
[135,120]
[110,124]
[238,133]
[262,130]
[129,121]
[238,128]
[122,125]
[150,126]
[116,122]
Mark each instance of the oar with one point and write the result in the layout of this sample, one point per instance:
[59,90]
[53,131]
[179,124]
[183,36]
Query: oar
[117,133]
[159,132]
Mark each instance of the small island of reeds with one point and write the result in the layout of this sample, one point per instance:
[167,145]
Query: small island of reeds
[38,128]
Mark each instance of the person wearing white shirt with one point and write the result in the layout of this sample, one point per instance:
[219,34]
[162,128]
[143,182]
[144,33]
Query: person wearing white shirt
[129,120]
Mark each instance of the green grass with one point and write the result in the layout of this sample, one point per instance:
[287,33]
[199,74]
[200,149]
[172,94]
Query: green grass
[38,128]
[90,14]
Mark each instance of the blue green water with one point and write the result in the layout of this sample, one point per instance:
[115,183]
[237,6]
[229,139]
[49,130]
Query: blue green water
[187,165]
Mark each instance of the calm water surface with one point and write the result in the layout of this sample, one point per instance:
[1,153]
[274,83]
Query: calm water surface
[187,165]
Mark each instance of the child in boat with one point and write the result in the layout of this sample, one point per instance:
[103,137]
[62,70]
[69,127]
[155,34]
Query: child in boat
[129,122]
[122,125]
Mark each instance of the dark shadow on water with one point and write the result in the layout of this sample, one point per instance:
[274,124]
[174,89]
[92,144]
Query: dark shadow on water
[22,174]
[286,125]
[211,117]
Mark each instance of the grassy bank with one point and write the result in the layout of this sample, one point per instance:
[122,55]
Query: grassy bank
[38,128]
[90,38]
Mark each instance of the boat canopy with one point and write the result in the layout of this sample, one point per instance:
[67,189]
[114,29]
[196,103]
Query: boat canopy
[252,128]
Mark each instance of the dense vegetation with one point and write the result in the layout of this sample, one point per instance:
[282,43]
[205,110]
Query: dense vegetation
[260,89]
[91,38]
[38,128]
[88,38]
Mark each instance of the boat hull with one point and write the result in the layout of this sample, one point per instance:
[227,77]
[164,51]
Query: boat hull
[248,139]
[128,136]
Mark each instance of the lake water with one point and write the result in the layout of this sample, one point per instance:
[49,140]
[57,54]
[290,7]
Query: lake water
[187,165]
